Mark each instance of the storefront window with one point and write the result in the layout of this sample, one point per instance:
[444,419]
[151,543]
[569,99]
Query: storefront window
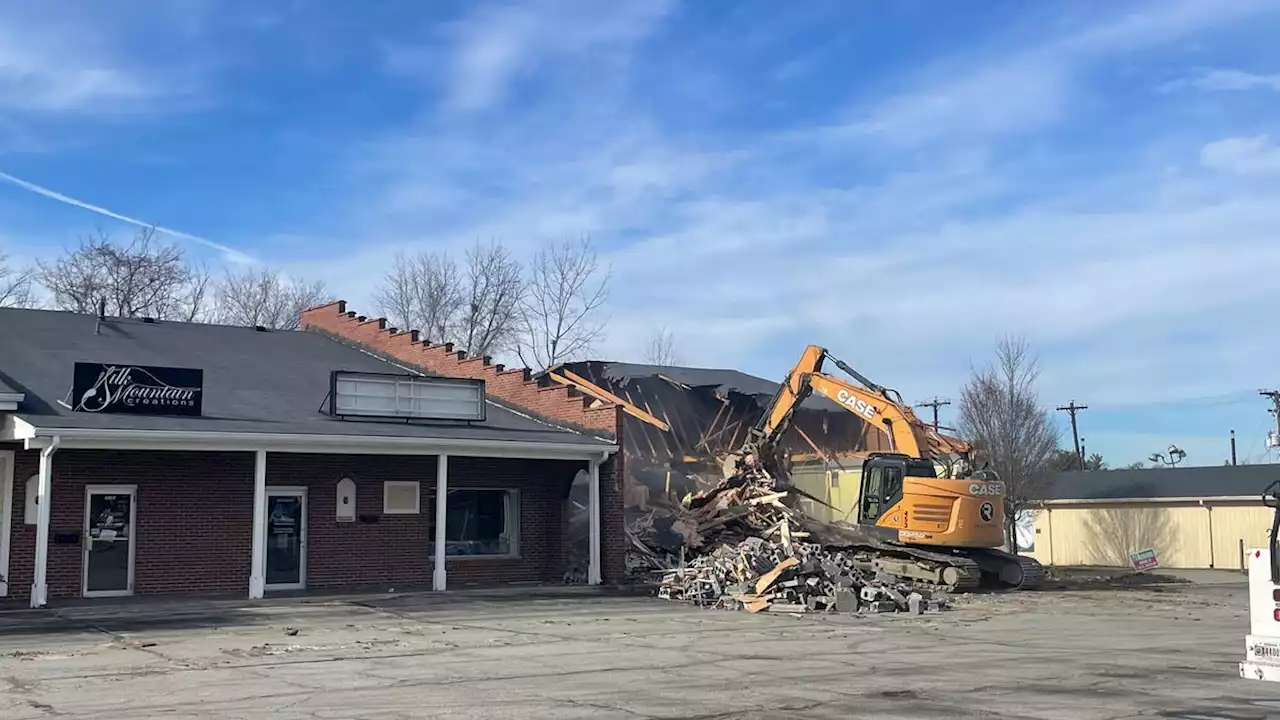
[481,523]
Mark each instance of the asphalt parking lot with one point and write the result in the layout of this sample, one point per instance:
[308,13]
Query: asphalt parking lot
[1168,652]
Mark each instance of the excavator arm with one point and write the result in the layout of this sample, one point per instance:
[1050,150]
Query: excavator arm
[873,403]
[879,411]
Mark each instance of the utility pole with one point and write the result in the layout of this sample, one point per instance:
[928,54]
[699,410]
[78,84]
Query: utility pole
[1273,438]
[935,403]
[1233,448]
[1073,408]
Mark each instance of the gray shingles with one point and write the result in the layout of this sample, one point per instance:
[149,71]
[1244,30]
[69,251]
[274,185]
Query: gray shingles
[272,382]
[724,381]
[1191,482]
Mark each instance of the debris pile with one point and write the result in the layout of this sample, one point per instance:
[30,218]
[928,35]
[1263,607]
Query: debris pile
[756,576]
[743,548]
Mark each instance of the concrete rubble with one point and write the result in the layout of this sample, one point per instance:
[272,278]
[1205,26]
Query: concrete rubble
[746,549]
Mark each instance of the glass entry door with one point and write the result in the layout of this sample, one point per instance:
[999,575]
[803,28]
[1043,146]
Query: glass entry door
[286,538]
[110,517]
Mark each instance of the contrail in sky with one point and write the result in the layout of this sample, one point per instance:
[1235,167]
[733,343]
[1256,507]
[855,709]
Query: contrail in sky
[231,254]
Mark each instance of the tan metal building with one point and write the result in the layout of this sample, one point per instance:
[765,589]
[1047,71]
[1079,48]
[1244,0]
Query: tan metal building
[1195,517]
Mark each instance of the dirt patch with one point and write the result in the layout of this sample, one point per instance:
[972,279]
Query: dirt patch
[1108,579]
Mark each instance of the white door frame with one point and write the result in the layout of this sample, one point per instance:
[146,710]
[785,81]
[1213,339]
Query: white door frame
[6,517]
[132,491]
[298,491]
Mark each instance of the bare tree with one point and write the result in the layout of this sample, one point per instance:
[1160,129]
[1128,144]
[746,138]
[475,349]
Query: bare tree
[267,298]
[1113,533]
[198,303]
[15,285]
[144,278]
[492,290]
[1002,417]
[423,292]
[662,349]
[561,312]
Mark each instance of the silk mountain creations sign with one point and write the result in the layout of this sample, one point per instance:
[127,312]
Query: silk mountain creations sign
[137,389]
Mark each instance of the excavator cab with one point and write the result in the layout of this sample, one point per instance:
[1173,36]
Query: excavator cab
[883,479]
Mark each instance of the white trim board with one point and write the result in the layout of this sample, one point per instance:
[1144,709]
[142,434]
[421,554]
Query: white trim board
[100,439]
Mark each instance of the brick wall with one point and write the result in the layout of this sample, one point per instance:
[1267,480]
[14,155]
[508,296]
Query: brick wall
[195,518]
[393,551]
[613,542]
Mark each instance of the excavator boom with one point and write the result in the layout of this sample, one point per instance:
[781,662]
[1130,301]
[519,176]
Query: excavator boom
[871,402]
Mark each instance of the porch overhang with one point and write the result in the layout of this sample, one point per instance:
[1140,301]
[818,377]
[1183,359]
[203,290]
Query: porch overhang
[34,437]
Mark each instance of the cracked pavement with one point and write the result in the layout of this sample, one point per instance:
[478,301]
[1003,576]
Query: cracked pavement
[1154,652]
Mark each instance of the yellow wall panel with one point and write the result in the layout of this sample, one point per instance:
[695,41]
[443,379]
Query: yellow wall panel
[1233,523]
[1182,535]
[1104,536]
[844,494]
[814,482]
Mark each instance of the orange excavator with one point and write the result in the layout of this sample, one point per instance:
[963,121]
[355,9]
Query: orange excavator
[910,522]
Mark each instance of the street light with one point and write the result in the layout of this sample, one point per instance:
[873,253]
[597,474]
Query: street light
[1176,455]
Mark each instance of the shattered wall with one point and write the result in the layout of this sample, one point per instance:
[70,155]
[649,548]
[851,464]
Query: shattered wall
[679,422]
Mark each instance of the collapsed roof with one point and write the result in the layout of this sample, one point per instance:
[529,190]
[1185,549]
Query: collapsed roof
[683,415]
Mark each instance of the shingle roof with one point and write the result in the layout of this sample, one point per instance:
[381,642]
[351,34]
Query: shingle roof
[269,382]
[724,381]
[1189,482]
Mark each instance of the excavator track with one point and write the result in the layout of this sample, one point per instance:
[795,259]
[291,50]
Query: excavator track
[920,567]
[1002,570]
[960,569]
[945,569]
[953,573]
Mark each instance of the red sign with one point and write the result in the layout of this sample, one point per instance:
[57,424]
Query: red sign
[1144,560]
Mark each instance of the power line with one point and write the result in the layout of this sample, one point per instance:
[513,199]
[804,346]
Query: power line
[1073,408]
[935,403]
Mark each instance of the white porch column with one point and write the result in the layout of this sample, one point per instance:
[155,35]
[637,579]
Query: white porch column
[7,491]
[593,516]
[258,564]
[442,492]
[44,498]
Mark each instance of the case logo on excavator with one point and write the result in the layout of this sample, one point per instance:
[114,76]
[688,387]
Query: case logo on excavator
[858,406]
[983,489]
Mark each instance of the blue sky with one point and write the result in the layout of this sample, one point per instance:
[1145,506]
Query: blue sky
[900,181]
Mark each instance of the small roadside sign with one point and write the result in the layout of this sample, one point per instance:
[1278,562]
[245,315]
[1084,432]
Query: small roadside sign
[1144,560]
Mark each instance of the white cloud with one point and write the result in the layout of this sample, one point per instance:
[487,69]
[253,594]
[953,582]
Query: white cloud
[61,58]
[47,71]
[1033,85]
[1242,155]
[1232,79]
[497,44]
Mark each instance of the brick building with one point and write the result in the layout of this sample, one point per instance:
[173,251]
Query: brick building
[141,457]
